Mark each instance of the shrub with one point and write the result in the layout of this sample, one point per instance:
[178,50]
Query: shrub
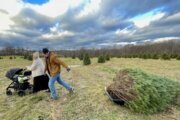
[141,56]
[1,57]
[30,57]
[73,57]
[101,59]
[10,58]
[125,56]
[165,57]
[107,57]
[155,56]
[178,57]
[129,56]
[81,56]
[134,56]
[119,56]
[25,57]
[86,59]
[174,56]
[14,57]
[145,56]
[149,56]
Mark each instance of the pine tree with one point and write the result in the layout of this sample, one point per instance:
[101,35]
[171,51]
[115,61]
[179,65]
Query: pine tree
[73,57]
[81,56]
[107,57]
[155,56]
[25,56]
[149,56]
[174,56]
[101,59]
[30,57]
[145,56]
[178,57]
[165,57]
[86,59]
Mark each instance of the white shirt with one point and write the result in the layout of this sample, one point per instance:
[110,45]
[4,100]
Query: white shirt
[37,68]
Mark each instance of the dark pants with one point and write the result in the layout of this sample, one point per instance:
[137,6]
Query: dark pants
[40,83]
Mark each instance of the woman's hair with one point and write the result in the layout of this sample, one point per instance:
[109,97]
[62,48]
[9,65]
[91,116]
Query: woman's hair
[35,55]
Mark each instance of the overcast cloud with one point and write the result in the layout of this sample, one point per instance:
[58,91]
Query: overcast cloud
[72,24]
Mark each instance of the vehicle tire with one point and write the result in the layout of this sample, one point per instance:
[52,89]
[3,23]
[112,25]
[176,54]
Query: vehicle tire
[21,93]
[8,92]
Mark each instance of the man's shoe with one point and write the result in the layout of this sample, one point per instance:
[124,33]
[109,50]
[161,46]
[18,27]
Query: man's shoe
[72,91]
[54,98]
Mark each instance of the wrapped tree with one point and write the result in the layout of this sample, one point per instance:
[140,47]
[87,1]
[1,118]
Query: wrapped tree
[142,92]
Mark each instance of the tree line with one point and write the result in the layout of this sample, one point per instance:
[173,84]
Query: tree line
[166,49]
[170,48]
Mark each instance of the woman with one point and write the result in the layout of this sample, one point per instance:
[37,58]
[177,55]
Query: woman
[40,81]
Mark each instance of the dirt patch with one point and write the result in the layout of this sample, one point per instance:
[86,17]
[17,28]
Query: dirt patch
[122,88]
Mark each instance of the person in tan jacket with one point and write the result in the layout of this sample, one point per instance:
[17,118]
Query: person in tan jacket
[53,67]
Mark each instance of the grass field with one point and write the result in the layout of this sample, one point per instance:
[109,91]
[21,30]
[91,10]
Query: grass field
[89,102]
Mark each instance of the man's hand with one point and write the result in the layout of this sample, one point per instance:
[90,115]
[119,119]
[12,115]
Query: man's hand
[68,69]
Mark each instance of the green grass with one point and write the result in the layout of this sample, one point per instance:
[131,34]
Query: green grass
[89,101]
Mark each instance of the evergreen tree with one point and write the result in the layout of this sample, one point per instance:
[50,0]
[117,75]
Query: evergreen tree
[107,57]
[155,56]
[101,59]
[165,57]
[178,57]
[81,56]
[86,59]
[30,57]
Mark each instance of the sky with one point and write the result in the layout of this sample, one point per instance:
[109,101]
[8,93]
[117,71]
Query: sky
[74,24]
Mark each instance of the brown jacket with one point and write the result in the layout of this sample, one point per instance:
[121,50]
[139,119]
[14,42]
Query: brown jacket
[53,64]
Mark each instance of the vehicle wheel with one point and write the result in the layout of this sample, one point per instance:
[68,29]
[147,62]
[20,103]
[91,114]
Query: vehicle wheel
[9,92]
[30,89]
[21,93]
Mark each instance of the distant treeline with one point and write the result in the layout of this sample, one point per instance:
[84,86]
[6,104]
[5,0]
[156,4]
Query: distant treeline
[167,47]
[11,51]
[171,48]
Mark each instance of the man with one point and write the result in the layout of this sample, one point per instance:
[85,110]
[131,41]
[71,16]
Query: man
[53,67]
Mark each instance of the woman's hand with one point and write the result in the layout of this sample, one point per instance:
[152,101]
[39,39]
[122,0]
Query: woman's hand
[25,68]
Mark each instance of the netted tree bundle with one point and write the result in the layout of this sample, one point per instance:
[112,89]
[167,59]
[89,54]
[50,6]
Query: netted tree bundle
[144,93]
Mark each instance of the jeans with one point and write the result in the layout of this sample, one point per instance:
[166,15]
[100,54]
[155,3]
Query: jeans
[60,81]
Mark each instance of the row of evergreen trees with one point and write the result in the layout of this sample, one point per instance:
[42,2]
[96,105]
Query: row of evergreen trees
[143,56]
[153,56]
[87,61]
[28,57]
[103,58]
[12,57]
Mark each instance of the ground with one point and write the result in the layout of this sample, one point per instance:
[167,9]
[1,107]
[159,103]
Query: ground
[89,102]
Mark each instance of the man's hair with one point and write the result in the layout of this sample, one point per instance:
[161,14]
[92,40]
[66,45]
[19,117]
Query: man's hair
[45,50]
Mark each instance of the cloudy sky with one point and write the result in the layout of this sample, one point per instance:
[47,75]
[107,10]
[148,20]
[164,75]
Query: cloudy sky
[72,24]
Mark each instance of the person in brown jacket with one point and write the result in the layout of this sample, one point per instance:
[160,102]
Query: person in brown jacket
[53,67]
